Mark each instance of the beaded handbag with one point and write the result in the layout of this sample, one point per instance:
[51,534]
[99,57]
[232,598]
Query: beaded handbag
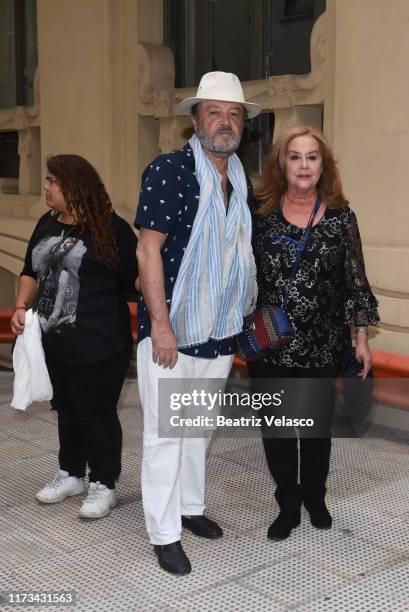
[267,328]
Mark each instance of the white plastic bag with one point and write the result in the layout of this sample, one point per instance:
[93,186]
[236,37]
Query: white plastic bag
[31,379]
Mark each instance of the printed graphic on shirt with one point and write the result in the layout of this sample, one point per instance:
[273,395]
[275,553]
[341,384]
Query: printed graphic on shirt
[58,298]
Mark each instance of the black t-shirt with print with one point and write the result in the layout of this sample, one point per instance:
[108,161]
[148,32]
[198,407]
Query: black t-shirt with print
[81,304]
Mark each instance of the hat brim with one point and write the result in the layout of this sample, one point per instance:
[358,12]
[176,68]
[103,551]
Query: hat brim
[252,109]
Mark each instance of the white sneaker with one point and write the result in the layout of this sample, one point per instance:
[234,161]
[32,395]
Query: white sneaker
[63,485]
[98,502]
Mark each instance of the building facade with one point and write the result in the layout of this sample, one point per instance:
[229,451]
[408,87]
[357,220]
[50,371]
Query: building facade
[103,78]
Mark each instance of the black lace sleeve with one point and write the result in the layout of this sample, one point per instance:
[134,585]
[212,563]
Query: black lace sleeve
[361,306]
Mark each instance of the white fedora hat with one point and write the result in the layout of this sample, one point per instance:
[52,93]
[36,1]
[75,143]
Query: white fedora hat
[222,87]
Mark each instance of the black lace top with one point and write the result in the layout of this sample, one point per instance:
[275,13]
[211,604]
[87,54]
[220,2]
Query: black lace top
[330,289]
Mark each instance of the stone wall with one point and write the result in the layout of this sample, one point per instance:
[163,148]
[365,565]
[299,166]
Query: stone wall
[104,89]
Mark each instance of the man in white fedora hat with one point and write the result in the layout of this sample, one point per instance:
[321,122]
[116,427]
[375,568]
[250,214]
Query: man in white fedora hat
[197,277]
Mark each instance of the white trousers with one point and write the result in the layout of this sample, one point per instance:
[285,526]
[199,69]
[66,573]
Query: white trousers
[173,469]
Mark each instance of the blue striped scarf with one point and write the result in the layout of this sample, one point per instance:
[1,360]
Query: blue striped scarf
[216,284]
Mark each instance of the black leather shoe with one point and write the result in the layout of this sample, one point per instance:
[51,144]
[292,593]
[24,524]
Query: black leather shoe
[203,527]
[281,528]
[173,559]
[319,515]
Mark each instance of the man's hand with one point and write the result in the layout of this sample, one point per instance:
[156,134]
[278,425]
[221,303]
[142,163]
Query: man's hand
[164,346]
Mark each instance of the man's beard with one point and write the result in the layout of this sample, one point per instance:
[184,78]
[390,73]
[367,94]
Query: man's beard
[218,146]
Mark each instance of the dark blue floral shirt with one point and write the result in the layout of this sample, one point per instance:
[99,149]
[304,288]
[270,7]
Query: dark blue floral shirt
[168,204]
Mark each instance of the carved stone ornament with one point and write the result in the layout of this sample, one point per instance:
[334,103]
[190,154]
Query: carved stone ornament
[23,117]
[159,99]
[280,89]
[155,79]
[163,100]
[319,41]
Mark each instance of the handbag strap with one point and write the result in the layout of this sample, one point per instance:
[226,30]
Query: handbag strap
[301,248]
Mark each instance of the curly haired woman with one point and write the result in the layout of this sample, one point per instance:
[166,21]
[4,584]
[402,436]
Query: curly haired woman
[80,265]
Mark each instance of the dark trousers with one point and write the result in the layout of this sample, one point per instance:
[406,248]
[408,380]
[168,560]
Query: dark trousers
[89,430]
[299,466]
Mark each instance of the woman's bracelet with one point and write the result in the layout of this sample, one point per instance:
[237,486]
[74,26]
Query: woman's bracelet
[361,329]
[19,308]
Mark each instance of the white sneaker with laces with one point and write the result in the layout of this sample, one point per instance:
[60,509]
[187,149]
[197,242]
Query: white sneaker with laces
[63,485]
[98,502]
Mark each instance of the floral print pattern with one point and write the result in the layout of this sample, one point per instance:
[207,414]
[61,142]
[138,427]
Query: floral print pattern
[330,289]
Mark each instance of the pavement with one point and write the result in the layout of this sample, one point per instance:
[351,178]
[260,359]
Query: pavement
[361,564]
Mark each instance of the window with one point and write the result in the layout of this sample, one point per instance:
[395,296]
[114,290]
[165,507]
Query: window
[299,8]
[252,38]
[256,142]
[9,160]
[18,52]
[213,35]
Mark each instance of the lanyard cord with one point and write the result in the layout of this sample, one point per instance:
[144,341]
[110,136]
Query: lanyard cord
[301,248]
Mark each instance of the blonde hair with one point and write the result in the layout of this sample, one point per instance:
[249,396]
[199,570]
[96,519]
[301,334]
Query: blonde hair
[273,182]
